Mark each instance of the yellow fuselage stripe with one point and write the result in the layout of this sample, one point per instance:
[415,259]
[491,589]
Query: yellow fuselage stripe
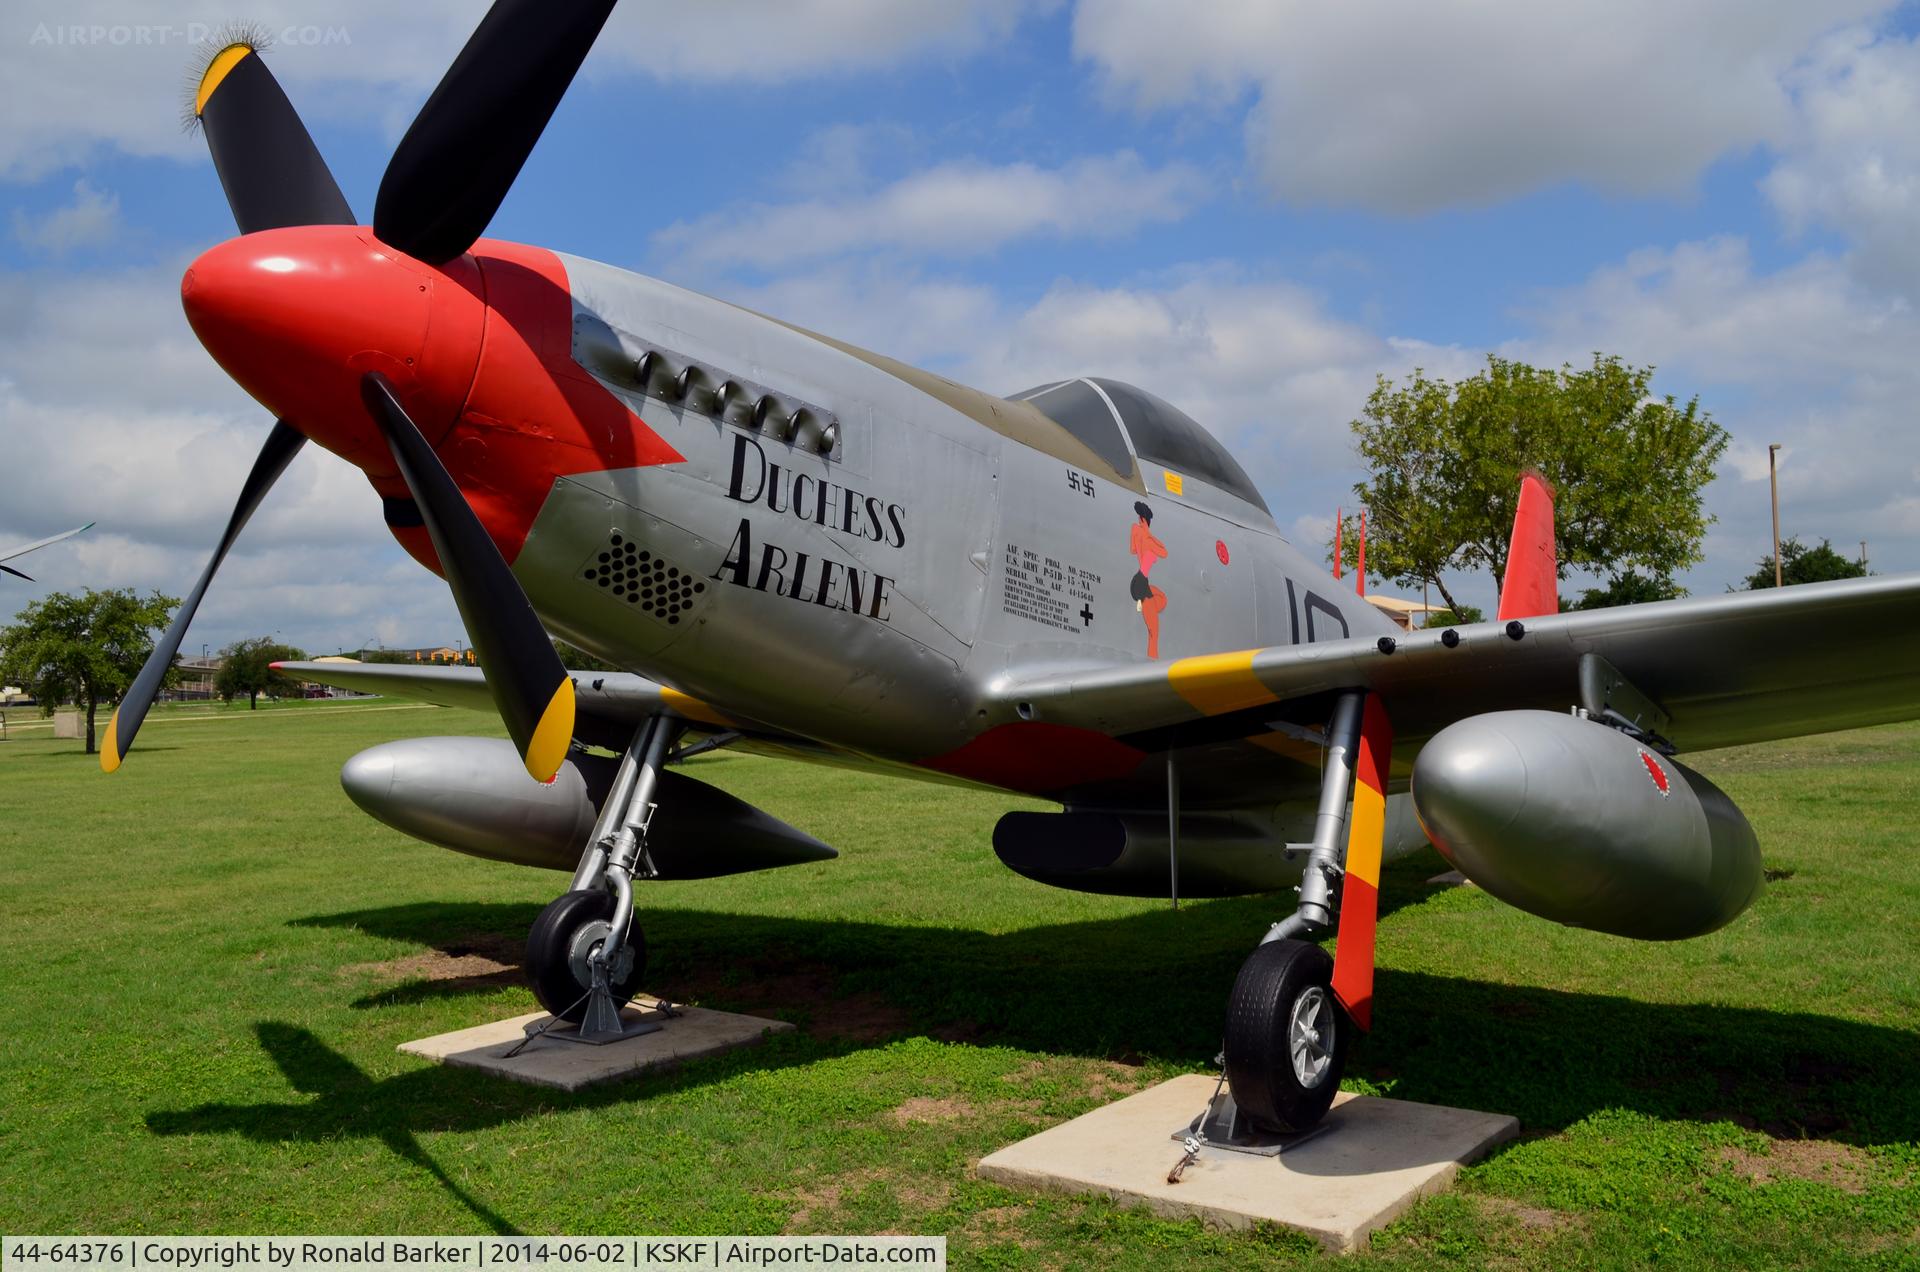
[1218,683]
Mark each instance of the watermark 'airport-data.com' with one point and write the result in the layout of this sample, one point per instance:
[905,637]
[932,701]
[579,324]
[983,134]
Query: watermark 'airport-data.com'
[121,34]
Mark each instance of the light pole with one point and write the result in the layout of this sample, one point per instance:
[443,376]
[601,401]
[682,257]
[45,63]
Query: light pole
[1773,479]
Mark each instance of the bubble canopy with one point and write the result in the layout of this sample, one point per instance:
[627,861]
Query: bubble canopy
[1096,410]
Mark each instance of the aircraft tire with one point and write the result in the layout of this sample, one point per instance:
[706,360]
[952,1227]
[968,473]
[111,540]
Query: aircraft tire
[557,946]
[1287,1037]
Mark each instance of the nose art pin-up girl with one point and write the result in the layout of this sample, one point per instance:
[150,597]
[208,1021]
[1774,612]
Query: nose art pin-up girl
[1148,600]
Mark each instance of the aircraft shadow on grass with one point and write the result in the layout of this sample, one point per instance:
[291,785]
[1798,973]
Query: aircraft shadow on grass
[1153,984]
[1147,984]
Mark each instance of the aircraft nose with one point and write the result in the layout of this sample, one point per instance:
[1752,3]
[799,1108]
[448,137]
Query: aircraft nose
[296,316]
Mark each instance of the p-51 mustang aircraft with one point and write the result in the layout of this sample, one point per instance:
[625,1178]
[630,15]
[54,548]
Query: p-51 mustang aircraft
[800,548]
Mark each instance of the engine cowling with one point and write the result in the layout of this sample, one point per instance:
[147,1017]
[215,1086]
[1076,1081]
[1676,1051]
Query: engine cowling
[1576,822]
[473,795]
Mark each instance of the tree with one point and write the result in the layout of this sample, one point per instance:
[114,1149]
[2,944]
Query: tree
[1463,616]
[1802,564]
[1630,587]
[576,659]
[247,667]
[85,648]
[1445,461]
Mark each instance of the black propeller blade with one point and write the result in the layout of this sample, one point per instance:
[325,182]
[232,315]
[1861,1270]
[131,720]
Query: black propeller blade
[7,569]
[454,166]
[530,686]
[274,177]
[283,443]
[441,187]
[268,165]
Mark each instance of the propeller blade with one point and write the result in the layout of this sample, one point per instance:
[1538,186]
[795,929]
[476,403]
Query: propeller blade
[463,150]
[530,687]
[283,443]
[271,170]
[7,569]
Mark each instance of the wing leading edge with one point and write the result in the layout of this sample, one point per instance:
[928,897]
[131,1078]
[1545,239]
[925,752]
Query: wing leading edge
[617,701]
[1744,667]
[11,553]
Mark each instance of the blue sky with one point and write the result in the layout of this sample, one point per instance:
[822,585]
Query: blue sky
[1251,208]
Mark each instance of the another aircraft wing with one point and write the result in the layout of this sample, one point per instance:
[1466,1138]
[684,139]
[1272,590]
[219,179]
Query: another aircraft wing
[10,553]
[1743,667]
[610,704]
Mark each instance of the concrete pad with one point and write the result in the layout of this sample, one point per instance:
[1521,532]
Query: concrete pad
[1376,1158]
[555,1062]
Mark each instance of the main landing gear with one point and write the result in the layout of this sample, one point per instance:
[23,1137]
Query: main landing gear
[1287,1032]
[1287,1037]
[585,955]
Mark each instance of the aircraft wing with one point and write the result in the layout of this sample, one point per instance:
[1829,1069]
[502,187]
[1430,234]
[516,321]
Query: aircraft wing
[1743,667]
[10,553]
[609,705]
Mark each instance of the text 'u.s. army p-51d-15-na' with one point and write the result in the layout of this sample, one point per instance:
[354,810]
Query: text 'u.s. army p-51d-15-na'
[800,548]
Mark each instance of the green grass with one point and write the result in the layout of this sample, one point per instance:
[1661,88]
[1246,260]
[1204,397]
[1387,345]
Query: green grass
[209,958]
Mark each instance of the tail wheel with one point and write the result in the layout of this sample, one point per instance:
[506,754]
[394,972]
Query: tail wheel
[1287,1036]
[560,947]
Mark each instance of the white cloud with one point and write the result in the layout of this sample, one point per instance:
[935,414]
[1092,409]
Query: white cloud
[902,313]
[79,75]
[773,41]
[91,220]
[1852,161]
[1808,356]
[110,412]
[1408,106]
[955,208]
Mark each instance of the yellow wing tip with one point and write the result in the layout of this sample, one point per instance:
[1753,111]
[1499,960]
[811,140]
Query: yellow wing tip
[547,749]
[217,70]
[110,744]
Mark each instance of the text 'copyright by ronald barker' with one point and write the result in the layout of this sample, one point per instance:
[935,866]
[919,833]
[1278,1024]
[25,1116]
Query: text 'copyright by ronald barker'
[459,1254]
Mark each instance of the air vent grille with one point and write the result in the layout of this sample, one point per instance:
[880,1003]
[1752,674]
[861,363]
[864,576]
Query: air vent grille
[644,579]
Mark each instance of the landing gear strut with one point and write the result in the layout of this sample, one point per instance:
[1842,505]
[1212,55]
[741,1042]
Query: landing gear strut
[1287,1031]
[585,954]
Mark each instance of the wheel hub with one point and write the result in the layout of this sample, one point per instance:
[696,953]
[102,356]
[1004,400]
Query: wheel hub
[588,938]
[1310,1026]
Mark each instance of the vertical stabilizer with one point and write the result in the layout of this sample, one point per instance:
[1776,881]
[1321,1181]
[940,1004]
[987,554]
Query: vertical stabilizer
[1360,568]
[1532,585]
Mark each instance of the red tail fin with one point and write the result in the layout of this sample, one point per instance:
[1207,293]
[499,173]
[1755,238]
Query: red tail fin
[1532,585]
[1339,524]
[1360,569]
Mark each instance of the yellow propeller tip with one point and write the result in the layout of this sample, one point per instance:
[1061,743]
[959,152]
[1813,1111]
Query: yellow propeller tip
[547,749]
[223,62]
[110,746]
